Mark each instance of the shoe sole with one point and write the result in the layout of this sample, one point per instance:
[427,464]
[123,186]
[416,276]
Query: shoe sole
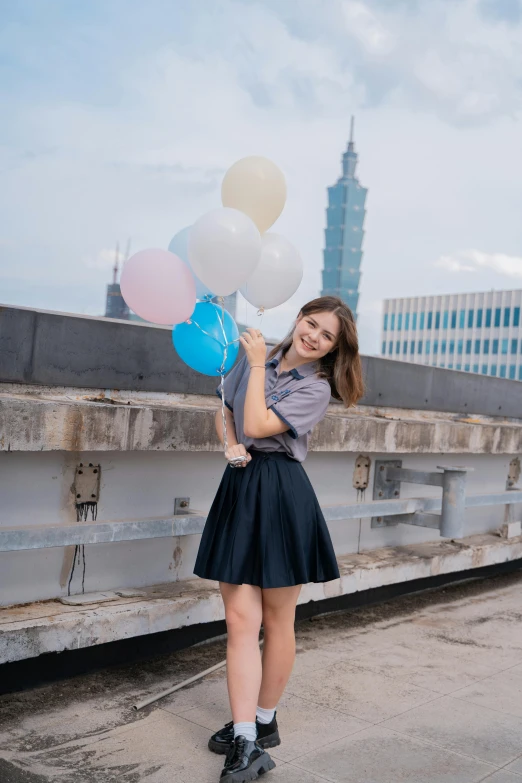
[261,765]
[267,742]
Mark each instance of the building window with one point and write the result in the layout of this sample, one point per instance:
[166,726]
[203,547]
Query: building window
[412,346]
[398,346]
[470,319]
[435,347]
[486,347]
[392,321]
[430,319]
[428,346]
[477,346]
[399,322]
[383,347]
[497,316]
[514,344]
[445,320]
[468,346]
[494,350]
[460,347]
[385,322]
[407,321]
[405,346]
[452,346]
[479,318]
[520,373]
[475,367]
[421,321]
[419,346]
[488,317]
[453,319]
[437,320]
[512,372]
[493,370]
[442,365]
[502,370]
[516,316]
[507,317]
[505,346]
[484,369]
[414,321]
[443,346]
[390,348]
[462,319]
[458,366]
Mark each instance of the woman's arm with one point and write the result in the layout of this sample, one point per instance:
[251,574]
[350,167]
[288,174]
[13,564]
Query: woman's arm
[235,449]
[259,421]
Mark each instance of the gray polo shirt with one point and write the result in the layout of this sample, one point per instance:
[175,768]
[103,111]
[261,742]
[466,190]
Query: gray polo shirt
[297,396]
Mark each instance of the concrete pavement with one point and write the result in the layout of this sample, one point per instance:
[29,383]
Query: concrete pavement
[424,689]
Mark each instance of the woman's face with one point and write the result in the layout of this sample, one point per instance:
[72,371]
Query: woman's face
[316,335]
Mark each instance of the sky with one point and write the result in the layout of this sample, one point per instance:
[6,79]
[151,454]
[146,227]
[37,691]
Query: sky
[120,119]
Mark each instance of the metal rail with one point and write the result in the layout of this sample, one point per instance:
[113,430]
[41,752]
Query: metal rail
[415,511]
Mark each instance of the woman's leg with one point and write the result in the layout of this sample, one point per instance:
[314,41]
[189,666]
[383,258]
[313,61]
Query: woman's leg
[243,612]
[279,642]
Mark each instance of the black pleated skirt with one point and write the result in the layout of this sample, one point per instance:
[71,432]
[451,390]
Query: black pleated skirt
[266,528]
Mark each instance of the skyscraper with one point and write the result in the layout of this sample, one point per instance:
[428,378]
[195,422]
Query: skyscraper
[344,232]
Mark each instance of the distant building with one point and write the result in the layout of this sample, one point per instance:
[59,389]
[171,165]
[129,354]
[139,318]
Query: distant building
[115,306]
[480,333]
[344,232]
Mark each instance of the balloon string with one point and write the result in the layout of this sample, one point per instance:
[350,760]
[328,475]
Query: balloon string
[222,374]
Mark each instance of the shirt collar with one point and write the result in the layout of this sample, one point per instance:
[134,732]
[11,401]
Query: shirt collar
[303,371]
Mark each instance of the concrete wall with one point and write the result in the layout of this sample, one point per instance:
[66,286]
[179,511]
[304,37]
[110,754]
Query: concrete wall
[39,347]
[35,489]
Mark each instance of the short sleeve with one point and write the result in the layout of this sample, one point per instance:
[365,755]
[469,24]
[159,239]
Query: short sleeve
[303,408]
[232,381]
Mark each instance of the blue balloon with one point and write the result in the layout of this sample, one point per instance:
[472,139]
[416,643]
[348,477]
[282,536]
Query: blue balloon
[179,246]
[201,352]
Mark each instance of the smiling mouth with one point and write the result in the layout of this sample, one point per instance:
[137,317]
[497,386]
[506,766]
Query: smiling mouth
[307,345]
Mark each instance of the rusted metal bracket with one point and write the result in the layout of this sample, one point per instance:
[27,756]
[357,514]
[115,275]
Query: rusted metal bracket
[450,522]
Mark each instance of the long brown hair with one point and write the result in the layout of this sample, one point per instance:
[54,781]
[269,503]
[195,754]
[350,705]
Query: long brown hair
[341,367]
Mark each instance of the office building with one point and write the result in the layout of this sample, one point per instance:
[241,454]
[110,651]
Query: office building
[480,333]
[344,232]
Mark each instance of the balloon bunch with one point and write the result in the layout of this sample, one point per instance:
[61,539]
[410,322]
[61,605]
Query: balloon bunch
[225,250]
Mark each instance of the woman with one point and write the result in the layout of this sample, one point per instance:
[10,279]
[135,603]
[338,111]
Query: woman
[265,535]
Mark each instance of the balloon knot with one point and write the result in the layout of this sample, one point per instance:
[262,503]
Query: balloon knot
[261,311]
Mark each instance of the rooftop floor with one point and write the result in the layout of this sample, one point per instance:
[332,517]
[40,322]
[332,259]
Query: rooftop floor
[424,689]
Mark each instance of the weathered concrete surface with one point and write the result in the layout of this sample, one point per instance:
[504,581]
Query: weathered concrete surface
[31,630]
[39,347]
[45,419]
[424,689]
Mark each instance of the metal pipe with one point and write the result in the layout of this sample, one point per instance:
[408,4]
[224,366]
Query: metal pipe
[152,699]
[452,515]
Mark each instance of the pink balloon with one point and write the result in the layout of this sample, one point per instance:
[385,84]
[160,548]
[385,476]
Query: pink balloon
[159,287]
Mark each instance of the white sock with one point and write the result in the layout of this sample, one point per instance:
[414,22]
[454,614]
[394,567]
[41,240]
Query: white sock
[247,729]
[265,716]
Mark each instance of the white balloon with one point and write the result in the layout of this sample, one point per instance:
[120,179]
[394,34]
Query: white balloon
[278,274]
[224,249]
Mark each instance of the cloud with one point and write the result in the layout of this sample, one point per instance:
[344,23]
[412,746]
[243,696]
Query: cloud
[475,260]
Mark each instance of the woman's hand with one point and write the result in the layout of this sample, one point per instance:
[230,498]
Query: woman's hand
[255,347]
[238,451]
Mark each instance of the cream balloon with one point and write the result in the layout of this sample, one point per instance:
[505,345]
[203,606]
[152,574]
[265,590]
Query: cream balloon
[224,249]
[257,187]
[278,274]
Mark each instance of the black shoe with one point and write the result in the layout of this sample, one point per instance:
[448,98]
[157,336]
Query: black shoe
[267,736]
[245,761]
